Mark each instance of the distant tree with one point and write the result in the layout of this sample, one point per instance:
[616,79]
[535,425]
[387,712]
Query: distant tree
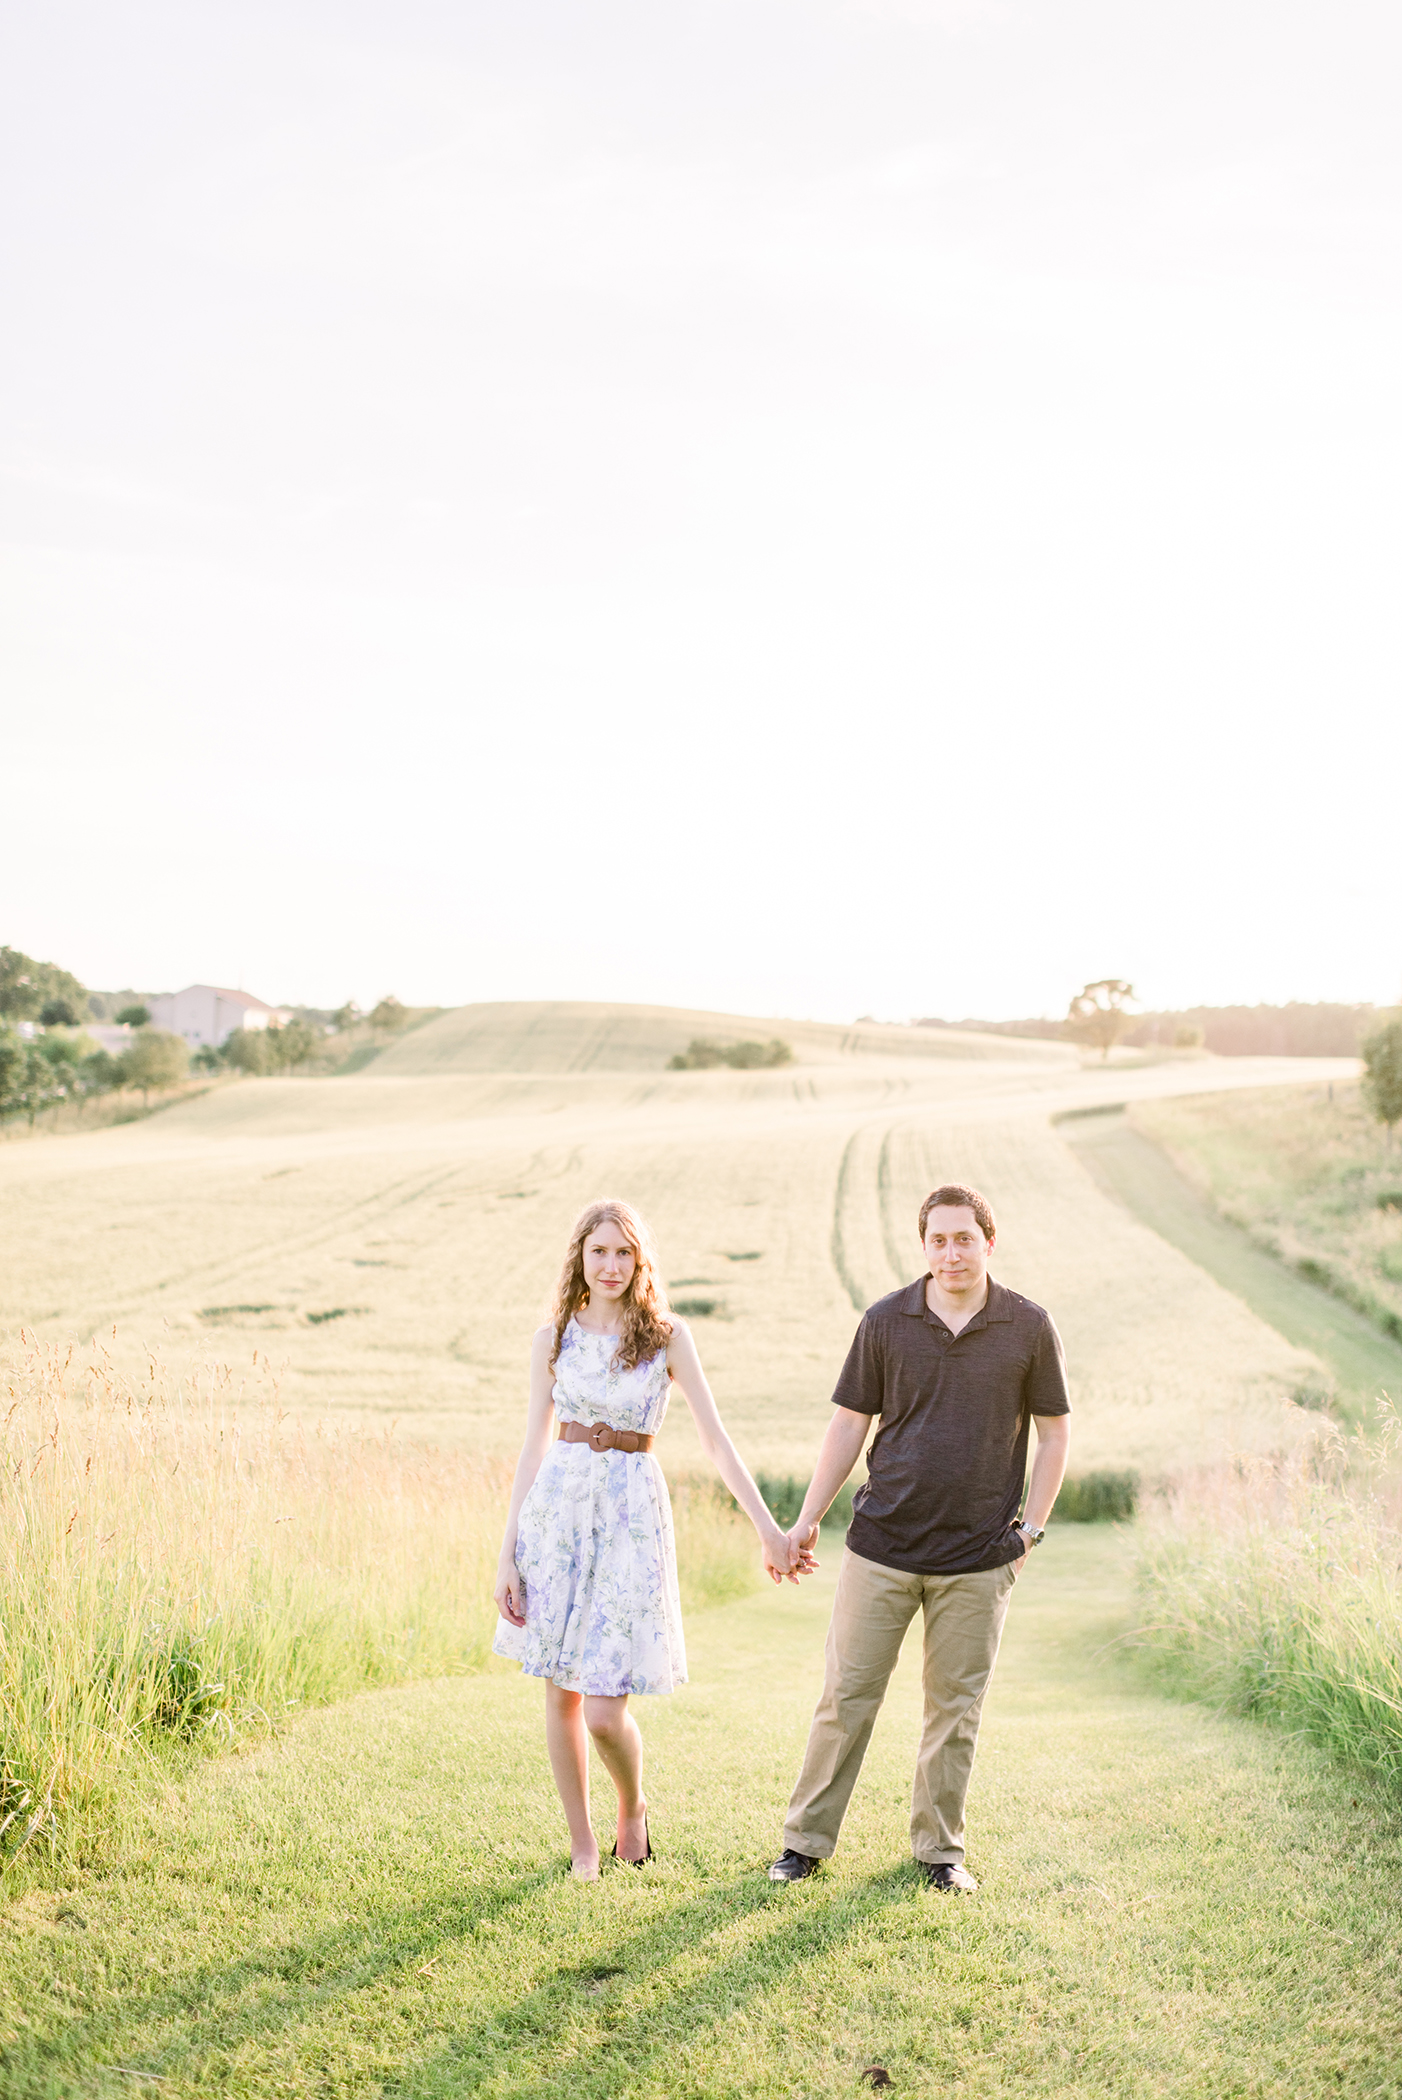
[1099,1013]
[345,1017]
[155,1059]
[12,1053]
[19,997]
[290,1046]
[1382,1077]
[30,1081]
[58,1013]
[26,986]
[388,1016]
[134,1017]
[299,1040]
[208,1059]
[1186,1037]
[248,1050]
[66,1057]
[99,1074]
[62,1053]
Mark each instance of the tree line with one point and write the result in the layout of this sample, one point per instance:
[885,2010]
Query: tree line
[52,1062]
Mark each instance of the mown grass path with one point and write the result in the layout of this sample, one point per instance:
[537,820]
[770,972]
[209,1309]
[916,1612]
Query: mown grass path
[1132,1169]
[1173,1902]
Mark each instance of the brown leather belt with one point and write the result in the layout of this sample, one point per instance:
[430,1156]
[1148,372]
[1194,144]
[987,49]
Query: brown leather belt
[600,1437]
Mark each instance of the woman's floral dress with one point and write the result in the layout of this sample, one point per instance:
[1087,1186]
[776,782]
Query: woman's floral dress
[594,1543]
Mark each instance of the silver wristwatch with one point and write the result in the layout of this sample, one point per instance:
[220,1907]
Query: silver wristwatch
[1033,1538]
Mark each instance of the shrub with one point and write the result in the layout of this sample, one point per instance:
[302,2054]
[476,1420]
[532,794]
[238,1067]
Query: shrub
[1097,1498]
[702,1055]
[58,1013]
[784,1493]
[134,1017]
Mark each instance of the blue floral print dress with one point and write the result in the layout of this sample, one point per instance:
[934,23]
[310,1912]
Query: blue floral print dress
[594,1544]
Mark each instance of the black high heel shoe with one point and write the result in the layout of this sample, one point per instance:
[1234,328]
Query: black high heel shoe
[647,1840]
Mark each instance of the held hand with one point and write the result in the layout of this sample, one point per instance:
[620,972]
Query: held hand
[804,1540]
[510,1596]
[776,1551]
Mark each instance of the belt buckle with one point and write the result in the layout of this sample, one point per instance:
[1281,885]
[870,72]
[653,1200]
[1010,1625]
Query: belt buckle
[600,1429]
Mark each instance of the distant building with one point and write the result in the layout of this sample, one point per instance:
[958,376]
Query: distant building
[206,1013]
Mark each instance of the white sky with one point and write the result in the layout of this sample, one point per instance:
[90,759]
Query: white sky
[806,508]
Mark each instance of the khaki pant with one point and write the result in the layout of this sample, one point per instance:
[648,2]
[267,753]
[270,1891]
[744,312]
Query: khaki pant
[964,1617]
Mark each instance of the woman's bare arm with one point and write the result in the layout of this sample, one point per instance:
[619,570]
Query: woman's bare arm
[540,1424]
[780,1557]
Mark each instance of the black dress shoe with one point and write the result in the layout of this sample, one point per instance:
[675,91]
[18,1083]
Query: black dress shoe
[647,1840]
[793,1866]
[942,1874]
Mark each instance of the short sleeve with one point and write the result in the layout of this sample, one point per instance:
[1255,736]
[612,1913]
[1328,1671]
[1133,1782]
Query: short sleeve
[861,1385]
[1044,1388]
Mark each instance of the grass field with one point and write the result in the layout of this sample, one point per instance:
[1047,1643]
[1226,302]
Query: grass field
[369,1900]
[1172,1903]
[390,1240]
[1309,1175]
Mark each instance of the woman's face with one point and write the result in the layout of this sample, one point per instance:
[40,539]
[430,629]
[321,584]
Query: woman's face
[609,1263]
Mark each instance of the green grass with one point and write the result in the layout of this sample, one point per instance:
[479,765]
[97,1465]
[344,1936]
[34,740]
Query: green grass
[1173,1902]
[1127,1165]
[1105,1497]
[1309,1174]
[1272,1587]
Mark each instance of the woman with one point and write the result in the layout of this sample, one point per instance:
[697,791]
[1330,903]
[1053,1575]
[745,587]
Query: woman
[587,1581]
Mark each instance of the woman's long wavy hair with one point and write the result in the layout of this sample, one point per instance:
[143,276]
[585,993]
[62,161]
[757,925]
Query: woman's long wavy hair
[646,1328]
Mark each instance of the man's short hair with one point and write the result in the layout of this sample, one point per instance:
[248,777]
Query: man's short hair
[954,1195]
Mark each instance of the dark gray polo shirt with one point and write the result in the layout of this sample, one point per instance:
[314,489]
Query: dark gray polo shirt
[946,1471]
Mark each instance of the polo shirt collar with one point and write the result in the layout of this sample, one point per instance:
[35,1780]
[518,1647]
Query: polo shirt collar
[998,1305]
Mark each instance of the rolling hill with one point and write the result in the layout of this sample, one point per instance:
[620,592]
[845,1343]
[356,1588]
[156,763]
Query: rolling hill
[562,1035]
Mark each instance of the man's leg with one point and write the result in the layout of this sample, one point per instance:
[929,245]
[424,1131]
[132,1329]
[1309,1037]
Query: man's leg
[964,1617]
[870,1614]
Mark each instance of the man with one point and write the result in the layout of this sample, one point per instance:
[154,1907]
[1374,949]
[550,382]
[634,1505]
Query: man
[956,1366]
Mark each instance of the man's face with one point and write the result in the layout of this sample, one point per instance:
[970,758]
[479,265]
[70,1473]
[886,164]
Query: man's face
[955,1247]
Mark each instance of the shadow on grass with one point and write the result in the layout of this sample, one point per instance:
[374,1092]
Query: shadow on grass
[200,2022]
[221,2009]
[613,2043]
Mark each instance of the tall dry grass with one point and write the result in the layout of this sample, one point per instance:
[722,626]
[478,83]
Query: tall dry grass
[1275,1586]
[181,1562]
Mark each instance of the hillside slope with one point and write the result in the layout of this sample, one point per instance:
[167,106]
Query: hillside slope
[563,1035]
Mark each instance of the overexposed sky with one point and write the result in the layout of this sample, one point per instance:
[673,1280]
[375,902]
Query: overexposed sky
[861,506]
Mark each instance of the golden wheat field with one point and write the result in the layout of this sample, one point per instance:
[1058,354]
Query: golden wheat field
[389,1240]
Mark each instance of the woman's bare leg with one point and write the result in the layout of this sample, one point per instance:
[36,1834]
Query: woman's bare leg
[620,1745]
[568,1745]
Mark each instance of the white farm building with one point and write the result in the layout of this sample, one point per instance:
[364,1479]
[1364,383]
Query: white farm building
[206,1013]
